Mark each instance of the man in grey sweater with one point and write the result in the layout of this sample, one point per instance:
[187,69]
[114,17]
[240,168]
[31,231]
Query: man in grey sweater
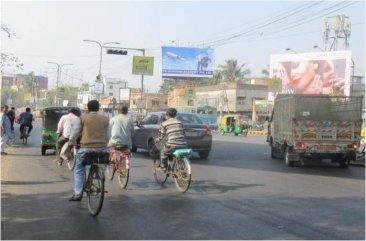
[121,129]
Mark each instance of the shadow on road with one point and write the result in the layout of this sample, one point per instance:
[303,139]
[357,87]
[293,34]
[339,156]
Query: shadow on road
[257,157]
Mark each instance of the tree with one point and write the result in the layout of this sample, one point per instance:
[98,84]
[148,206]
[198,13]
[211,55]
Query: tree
[84,86]
[265,72]
[6,93]
[9,60]
[231,71]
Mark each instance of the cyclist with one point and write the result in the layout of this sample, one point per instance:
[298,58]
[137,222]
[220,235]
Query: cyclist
[121,129]
[93,129]
[26,119]
[173,130]
[63,131]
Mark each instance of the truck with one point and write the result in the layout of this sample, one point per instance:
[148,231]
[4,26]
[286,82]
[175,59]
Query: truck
[315,127]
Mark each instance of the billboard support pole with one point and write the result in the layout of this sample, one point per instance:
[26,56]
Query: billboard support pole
[142,82]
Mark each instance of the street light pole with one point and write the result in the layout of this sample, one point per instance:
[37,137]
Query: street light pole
[142,76]
[101,53]
[59,67]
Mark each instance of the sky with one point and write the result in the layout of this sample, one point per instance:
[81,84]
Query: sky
[249,31]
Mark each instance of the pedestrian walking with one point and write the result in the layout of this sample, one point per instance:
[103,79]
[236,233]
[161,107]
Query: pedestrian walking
[5,128]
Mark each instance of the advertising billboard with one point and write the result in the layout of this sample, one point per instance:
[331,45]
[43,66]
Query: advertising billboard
[187,62]
[124,94]
[143,65]
[313,73]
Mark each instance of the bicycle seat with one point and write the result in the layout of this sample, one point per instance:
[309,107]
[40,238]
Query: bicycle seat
[96,157]
[121,148]
[182,152]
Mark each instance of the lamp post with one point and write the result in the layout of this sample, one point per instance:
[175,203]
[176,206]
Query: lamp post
[142,76]
[288,49]
[59,67]
[101,53]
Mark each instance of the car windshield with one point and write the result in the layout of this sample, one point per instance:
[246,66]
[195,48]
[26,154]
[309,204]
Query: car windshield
[208,119]
[189,119]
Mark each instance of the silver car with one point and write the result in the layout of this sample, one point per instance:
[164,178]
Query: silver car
[198,134]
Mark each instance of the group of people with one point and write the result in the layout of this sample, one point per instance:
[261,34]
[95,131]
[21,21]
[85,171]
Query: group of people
[95,133]
[7,125]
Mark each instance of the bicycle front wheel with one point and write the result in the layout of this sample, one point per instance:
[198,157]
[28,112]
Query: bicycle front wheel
[159,174]
[182,174]
[95,190]
[124,174]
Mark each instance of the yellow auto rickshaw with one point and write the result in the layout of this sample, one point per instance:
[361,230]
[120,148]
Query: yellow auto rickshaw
[237,124]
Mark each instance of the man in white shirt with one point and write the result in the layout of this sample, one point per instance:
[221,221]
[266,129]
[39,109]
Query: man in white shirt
[63,131]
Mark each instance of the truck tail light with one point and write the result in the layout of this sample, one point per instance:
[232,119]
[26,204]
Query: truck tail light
[353,146]
[301,145]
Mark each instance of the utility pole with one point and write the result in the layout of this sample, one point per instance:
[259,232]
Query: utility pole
[340,30]
[59,67]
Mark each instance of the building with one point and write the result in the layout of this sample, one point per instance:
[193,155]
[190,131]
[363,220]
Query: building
[182,96]
[152,101]
[231,97]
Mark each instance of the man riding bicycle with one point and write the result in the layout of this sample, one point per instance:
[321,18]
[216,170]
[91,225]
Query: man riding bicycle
[121,129]
[173,130]
[93,128]
[63,131]
[26,119]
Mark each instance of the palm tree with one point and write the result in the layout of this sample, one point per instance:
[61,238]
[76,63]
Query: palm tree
[231,71]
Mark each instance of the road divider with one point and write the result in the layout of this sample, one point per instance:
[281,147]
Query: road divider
[257,133]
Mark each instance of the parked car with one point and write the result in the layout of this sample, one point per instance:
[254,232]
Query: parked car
[198,135]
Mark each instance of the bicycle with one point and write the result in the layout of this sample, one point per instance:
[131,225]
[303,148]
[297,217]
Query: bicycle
[178,167]
[94,182]
[119,162]
[25,134]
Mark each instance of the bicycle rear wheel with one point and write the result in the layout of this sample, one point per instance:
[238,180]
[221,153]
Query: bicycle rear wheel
[123,173]
[182,174]
[95,190]
[159,174]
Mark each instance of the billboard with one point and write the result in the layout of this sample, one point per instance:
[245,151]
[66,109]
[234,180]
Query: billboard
[143,65]
[124,94]
[187,62]
[313,73]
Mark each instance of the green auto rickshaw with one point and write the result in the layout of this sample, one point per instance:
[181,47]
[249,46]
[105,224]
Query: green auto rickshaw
[237,124]
[50,119]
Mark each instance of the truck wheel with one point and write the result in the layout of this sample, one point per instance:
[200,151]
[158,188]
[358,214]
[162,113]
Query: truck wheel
[273,152]
[344,163]
[287,160]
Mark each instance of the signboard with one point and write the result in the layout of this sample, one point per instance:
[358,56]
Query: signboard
[124,94]
[98,88]
[313,73]
[143,65]
[27,96]
[187,62]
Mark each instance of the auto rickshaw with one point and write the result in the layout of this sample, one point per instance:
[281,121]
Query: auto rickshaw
[50,119]
[237,124]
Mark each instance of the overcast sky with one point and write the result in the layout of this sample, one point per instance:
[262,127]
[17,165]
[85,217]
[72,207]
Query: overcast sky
[245,30]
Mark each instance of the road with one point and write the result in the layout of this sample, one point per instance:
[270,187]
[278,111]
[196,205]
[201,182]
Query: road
[239,193]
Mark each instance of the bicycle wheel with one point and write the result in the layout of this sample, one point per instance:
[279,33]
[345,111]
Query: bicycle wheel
[72,161]
[110,166]
[124,173]
[159,174]
[95,190]
[182,174]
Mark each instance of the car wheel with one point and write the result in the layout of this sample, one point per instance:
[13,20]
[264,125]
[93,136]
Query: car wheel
[134,149]
[43,150]
[152,149]
[204,154]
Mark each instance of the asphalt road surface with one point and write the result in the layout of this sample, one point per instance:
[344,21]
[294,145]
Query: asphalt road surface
[238,193]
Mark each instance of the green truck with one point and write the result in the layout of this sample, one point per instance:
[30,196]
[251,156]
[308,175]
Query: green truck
[315,127]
